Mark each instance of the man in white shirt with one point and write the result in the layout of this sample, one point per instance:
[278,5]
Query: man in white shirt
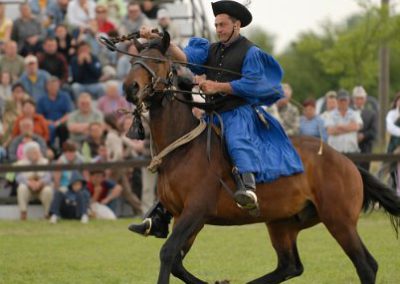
[343,124]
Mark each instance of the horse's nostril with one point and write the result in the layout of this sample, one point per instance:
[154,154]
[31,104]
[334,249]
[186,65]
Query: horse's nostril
[131,91]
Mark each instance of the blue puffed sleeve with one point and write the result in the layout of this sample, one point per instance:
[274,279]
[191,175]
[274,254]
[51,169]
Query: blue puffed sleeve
[197,52]
[262,78]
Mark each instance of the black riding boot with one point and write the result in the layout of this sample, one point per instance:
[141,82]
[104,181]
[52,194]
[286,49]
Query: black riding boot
[245,195]
[155,222]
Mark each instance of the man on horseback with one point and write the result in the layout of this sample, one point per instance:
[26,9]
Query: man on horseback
[257,145]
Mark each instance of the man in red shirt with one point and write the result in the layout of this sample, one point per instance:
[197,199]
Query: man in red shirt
[102,190]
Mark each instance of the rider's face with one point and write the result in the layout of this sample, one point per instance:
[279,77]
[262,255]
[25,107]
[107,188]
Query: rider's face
[223,27]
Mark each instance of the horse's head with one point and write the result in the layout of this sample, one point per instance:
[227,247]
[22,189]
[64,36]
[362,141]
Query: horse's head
[148,75]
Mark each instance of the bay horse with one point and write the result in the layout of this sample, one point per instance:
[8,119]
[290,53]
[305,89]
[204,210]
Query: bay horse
[332,190]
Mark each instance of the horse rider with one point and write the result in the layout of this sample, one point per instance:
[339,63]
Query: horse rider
[258,147]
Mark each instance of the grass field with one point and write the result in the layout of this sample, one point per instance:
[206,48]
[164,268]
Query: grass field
[106,252]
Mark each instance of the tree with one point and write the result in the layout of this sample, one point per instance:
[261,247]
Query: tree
[261,38]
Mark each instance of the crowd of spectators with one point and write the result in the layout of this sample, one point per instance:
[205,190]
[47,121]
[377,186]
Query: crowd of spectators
[60,91]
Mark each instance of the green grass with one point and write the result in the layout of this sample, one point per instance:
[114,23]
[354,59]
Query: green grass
[106,252]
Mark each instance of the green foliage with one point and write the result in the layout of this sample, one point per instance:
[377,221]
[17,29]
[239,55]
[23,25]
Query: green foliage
[261,38]
[106,252]
[343,55]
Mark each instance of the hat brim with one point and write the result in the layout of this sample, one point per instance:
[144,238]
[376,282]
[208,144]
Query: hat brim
[234,9]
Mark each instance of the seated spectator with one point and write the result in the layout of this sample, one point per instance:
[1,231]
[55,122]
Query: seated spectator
[13,109]
[39,8]
[80,12]
[330,105]
[55,107]
[94,139]
[102,190]
[34,79]
[65,42]
[15,149]
[56,13]
[104,25]
[113,100]
[165,24]
[343,125]
[70,155]
[312,124]
[116,9]
[86,72]
[52,61]
[33,184]
[5,89]
[149,9]
[5,25]
[72,204]
[134,20]
[124,64]
[3,152]
[289,114]
[11,61]
[26,28]
[79,120]
[40,125]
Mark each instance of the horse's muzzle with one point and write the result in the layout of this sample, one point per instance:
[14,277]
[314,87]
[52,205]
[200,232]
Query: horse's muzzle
[131,91]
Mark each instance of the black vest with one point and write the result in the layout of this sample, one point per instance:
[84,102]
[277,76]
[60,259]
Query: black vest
[230,58]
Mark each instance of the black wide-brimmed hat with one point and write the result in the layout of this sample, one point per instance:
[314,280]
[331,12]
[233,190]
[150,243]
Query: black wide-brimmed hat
[234,9]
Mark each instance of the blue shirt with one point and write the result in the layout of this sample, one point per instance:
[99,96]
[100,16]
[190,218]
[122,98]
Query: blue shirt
[55,109]
[35,89]
[313,127]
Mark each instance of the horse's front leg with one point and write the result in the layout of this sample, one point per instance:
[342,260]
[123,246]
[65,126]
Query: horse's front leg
[189,223]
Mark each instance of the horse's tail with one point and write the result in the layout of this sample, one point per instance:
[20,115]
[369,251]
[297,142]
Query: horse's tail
[376,191]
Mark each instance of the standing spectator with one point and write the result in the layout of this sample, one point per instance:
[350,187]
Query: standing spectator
[290,116]
[65,42]
[56,13]
[367,134]
[16,147]
[80,13]
[74,203]
[40,125]
[102,190]
[33,183]
[393,128]
[116,9]
[343,125]
[55,107]
[34,79]
[165,24]
[114,145]
[71,156]
[104,25]
[79,120]
[52,61]
[112,101]
[312,124]
[26,28]
[86,72]
[330,104]
[5,25]
[13,109]
[11,61]
[134,20]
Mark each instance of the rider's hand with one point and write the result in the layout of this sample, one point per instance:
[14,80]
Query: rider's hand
[209,87]
[147,33]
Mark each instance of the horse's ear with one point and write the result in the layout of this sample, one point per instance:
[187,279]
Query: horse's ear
[138,45]
[165,42]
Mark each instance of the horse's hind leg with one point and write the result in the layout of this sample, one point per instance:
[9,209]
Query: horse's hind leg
[283,237]
[178,270]
[187,225]
[346,235]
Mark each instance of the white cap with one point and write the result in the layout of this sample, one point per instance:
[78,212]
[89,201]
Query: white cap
[359,92]
[162,13]
[30,59]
